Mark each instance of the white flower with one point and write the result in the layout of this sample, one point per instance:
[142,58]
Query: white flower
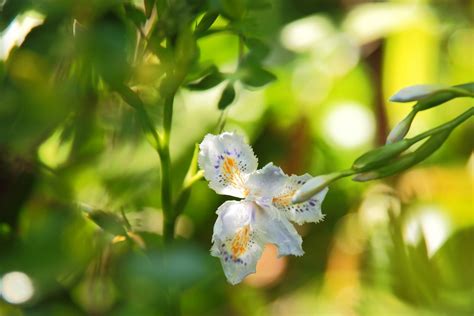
[263,216]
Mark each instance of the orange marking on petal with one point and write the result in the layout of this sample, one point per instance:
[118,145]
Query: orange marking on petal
[232,173]
[240,242]
[284,199]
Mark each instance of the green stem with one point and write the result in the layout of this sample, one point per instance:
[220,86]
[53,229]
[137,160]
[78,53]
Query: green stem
[169,216]
[447,126]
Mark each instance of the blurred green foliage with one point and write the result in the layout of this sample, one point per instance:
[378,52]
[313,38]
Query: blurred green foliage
[84,87]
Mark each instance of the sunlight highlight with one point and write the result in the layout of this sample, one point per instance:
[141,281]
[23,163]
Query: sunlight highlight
[430,222]
[302,35]
[16,32]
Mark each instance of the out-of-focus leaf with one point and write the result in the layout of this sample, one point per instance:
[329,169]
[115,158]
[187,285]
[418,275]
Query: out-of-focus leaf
[209,81]
[178,265]
[200,70]
[258,4]
[256,76]
[231,9]
[227,97]
[206,22]
[110,222]
[258,49]
[148,7]
[108,45]
[186,51]
[456,271]
[164,54]
[135,14]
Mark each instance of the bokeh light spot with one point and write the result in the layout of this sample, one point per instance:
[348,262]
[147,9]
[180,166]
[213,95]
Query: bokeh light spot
[349,125]
[302,35]
[16,287]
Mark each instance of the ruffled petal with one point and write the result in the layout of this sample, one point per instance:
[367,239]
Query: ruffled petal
[277,230]
[227,162]
[271,187]
[236,240]
[305,212]
[266,182]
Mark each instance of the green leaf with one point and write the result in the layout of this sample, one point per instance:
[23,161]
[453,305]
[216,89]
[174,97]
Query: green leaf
[255,76]
[258,5]
[199,71]
[110,222]
[227,97]
[209,81]
[456,271]
[231,9]
[258,49]
[135,14]
[148,7]
[206,22]
[186,51]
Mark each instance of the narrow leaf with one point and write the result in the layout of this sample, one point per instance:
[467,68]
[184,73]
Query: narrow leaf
[255,76]
[110,222]
[206,22]
[209,81]
[227,97]
[149,7]
[135,14]
[258,49]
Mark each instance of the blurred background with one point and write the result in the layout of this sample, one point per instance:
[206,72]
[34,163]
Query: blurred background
[69,145]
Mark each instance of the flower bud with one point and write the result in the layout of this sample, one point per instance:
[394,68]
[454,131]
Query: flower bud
[401,129]
[406,161]
[381,155]
[416,92]
[313,187]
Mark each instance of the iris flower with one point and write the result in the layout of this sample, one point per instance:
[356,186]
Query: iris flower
[263,215]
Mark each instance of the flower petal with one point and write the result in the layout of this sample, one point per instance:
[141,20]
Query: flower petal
[278,230]
[235,239]
[305,212]
[266,181]
[271,187]
[227,162]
